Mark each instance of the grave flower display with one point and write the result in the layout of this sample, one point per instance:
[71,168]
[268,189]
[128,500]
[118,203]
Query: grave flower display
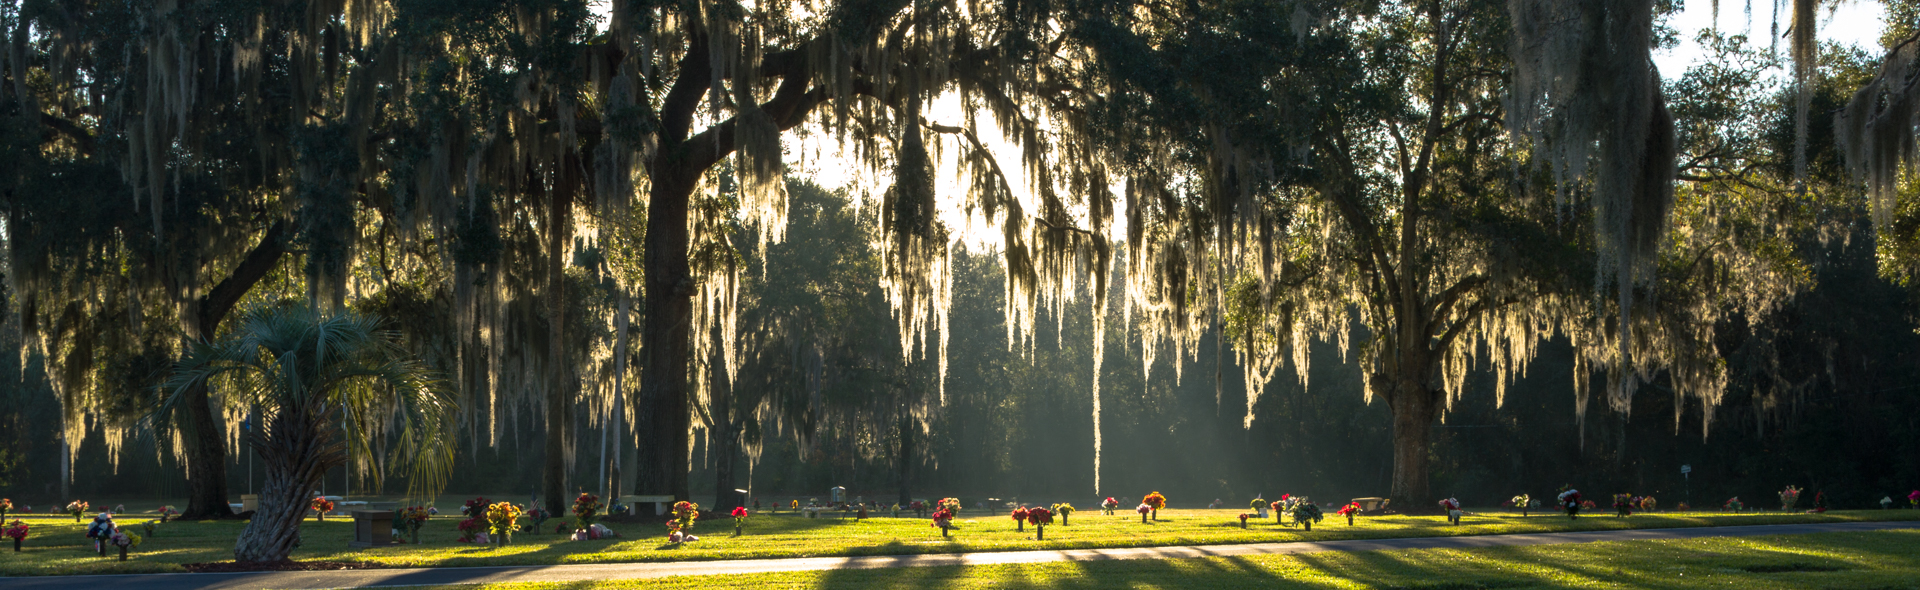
[1019,519]
[1350,510]
[1623,505]
[100,530]
[472,529]
[1570,501]
[1110,505]
[586,510]
[1064,510]
[148,527]
[943,520]
[1913,499]
[896,509]
[1452,506]
[1156,501]
[1243,519]
[1819,503]
[1734,504]
[537,518]
[952,505]
[1259,506]
[1886,502]
[76,508]
[16,531]
[1522,502]
[1306,512]
[502,519]
[124,540]
[473,508]
[1040,517]
[685,516]
[410,521]
[1789,497]
[740,519]
[1647,503]
[322,506]
[919,508]
[1143,509]
[167,512]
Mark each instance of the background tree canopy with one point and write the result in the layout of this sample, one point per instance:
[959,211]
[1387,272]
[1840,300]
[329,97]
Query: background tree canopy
[1085,245]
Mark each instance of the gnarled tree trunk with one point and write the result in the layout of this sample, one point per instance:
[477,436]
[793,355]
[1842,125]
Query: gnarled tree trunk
[1414,406]
[295,464]
[206,451]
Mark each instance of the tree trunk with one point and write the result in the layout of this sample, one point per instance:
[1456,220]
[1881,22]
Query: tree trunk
[206,451]
[294,468]
[665,426]
[906,456]
[559,434]
[726,444]
[1414,409]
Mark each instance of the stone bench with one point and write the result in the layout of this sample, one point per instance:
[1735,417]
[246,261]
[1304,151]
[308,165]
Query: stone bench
[661,504]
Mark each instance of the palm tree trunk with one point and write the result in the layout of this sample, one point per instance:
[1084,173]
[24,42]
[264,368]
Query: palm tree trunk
[297,457]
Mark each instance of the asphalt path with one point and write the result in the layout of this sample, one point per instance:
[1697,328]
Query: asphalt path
[373,578]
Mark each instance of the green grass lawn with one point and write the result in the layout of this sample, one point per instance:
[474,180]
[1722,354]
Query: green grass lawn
[1867,561]
[58,545]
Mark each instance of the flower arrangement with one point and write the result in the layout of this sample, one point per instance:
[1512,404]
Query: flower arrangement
[539,516]
[740,518]
[1819,503]
[1683,507]
[1623,505]
[16,531]
[1913,499]
[411,519]
[1886,502]
[1522,502]
[1452,506]
[472,530]
[1647,503]
[1570,501]
[943,520]
[1143,509]
[1111,505]
[124,540]
[502,519]
[1734,504]
[1156,501]
[1243,519]
[1040,517]
[322,506]
[1789,497]
[919,508]
[586,510]
[1258,505]
[1019,519]
[685,516]
[1587,505]
[77,507]
[148,527]
[1064,510]
[1306,512]
[167,512]
[1350,510]
[474,507]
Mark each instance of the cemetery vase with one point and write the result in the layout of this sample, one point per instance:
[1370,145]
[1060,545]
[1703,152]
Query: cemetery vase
[1349,519]
[1019,526]
[123,554]
[1063,519]
[16,545]
[1040,532]
[1308,523]
[1143,518]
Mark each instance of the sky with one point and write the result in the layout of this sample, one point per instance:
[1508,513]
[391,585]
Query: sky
[1855,22]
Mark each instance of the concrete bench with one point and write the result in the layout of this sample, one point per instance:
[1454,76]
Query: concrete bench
[661,504]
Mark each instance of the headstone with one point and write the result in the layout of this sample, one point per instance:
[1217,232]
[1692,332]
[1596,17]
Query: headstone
[383,506]
[661,504]
[372,528]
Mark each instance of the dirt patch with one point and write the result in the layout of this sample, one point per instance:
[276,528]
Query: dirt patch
[277,566]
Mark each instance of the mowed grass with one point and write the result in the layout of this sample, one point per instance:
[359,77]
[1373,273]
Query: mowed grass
[58,545]
[1868,561]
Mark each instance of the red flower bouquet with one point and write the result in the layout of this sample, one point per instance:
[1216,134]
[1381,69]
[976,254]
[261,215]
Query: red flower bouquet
[322,506]
[1040,517]
[1019,519]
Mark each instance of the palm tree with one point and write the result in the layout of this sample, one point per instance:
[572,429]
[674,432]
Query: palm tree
[324,385]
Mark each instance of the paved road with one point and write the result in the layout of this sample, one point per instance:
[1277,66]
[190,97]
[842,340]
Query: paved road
[570,573]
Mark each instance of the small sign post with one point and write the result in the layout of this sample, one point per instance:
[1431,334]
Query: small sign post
[1686,476]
